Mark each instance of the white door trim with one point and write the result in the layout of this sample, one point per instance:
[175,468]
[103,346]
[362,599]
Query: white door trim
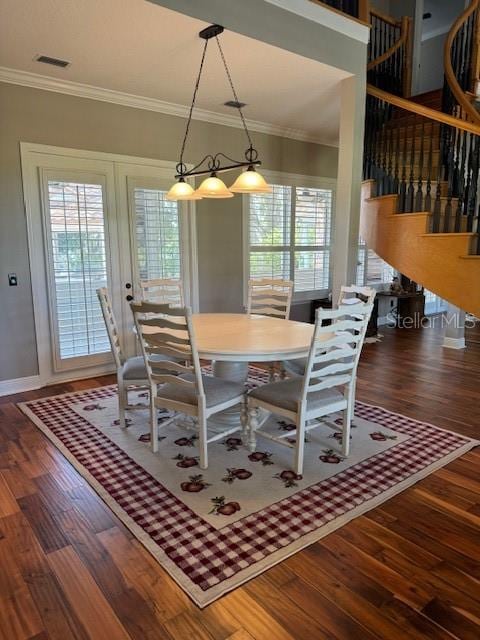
[34,156]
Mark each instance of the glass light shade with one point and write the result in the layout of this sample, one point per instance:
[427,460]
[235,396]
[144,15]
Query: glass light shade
[250,181]
[181,190]
[213,187]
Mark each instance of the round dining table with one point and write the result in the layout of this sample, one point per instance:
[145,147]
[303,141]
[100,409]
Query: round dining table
[232,340]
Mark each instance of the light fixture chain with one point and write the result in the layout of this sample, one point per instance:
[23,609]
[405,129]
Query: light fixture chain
[194,97]
[233,91]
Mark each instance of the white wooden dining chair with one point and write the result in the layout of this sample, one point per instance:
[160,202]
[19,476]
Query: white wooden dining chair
[327,386]
[131,372]
[176,382]
[270,297]
[349,294]
[163,291]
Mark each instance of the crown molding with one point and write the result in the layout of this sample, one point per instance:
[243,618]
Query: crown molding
[80,90]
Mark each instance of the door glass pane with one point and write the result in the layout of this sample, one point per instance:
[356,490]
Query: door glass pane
[157,232]
[78,258]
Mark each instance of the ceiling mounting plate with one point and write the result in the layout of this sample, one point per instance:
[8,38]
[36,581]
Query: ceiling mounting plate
[211,31]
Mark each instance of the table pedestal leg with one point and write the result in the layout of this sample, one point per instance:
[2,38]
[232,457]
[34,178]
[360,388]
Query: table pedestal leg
[236,371]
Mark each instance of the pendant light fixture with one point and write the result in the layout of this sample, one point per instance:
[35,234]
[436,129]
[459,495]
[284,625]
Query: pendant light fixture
[249,181]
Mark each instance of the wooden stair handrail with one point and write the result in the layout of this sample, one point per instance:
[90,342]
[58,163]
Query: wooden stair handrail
[388,52]
[404,40]
[383,16]
[452,81]
[422,110]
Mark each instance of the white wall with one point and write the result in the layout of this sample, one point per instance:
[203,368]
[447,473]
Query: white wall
[431,64]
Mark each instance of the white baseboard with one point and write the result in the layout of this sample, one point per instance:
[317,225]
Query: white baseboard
[454,343]
[18,385]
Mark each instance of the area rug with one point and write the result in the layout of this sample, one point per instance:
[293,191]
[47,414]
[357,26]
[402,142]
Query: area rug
[214,529]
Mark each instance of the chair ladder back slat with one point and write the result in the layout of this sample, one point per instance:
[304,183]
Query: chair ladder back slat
[111,325]
[163,290]
[170,322]
[270,297]
[333,343]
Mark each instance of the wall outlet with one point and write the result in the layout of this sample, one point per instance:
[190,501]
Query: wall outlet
[12,280]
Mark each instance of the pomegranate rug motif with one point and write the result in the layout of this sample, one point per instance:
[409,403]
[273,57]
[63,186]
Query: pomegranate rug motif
[216,528]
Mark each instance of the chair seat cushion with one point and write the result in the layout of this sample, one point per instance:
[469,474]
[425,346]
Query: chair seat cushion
[216,390]
[287,393]
[135,369]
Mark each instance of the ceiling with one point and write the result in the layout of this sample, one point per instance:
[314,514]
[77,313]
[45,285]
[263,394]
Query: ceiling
[444,13]
[137,47]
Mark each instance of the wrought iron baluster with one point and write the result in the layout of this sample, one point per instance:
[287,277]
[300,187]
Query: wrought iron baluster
[428,196]
[461,182]
[437,210]
[419,194]
[472,204]
[390,180]
[396,182]
[411,180]
[450,170]
[402,196]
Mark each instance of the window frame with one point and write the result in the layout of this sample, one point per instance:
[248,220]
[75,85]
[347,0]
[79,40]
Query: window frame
[290,180]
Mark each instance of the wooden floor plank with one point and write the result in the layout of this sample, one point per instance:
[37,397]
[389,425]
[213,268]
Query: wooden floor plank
[58,618]
[85,597]
[8,503]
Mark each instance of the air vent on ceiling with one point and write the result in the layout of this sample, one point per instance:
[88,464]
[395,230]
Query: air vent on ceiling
[53,61]
[234,104]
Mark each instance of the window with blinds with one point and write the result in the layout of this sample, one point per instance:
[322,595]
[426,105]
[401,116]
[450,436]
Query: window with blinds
[371,269]
[157,232]
[289,236]
[79,264]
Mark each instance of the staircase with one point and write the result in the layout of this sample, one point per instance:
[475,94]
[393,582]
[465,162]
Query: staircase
[420,198]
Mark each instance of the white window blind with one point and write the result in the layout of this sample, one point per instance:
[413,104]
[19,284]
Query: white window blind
[313,217]
[371,269]
[289,236]
[157,232]
[79,262]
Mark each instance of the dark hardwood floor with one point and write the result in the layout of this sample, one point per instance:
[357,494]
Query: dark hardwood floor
[409,569]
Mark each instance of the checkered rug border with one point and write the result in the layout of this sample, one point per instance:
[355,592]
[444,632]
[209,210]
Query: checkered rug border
[208,557]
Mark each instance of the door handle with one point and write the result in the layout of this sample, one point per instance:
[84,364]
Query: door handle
[128,285]
[129,298]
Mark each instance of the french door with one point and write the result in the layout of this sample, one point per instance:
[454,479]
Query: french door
[98,220]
